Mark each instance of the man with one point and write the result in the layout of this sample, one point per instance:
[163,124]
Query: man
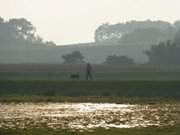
[89,72]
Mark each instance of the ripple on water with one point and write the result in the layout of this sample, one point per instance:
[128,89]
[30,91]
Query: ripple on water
[87,115]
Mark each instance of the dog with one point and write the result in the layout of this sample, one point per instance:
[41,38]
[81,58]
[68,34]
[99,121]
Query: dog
[74,76]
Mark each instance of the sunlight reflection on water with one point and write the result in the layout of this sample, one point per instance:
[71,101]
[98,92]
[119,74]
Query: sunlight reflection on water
[87,115]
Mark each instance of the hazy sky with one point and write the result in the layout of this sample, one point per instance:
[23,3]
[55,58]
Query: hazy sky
[74,21]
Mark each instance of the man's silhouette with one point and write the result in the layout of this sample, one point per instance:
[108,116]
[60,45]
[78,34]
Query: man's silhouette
[89,72]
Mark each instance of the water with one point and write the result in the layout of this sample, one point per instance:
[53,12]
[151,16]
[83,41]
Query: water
[86,116]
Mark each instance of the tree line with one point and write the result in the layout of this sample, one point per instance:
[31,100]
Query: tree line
[76,57]
[16,33]
[163,53]
[136,32]
[19,32]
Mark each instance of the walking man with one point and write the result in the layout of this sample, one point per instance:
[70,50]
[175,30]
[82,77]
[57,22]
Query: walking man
[89,72]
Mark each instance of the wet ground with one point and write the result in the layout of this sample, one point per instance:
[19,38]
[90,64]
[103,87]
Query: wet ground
[86,116]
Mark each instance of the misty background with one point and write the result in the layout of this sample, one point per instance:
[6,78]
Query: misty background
[70,22]
[102,31]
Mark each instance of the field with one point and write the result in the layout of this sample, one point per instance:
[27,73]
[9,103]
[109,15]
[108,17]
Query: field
[100,72]
[111,84]
[84,91]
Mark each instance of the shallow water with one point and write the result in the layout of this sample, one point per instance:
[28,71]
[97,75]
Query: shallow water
[87,116]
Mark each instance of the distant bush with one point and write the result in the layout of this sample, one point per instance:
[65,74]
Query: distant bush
[119,60]
[74,58]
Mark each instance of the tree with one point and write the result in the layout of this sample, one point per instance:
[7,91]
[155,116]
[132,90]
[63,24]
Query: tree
[19,32]
[24,28]
[105,32]
[149,35]
[164,54]
[50,43]
[114,34]
[74,58]
[1,20]
[177,24]
[119,60]
[177,38]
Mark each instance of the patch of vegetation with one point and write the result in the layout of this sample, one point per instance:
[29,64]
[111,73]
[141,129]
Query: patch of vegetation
[87,99]
[91,88]
[175,130]
[89,91]
[100,73]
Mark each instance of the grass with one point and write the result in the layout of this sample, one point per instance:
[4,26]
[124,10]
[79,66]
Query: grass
[87,99]
[133,87]
[98,75]
[89,91]
[92,88]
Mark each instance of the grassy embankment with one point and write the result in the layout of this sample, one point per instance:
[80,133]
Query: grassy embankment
[51,82]
[89,91]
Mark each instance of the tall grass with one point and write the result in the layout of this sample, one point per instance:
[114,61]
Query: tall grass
[55,89]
